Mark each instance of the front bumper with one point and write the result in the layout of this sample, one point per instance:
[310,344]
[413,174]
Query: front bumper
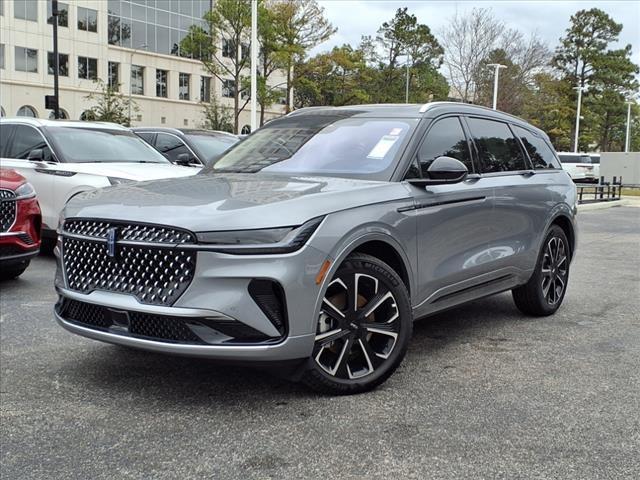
[218,291]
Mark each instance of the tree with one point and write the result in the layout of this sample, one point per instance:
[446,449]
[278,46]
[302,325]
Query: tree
[467,41]
[586,40]
[584,59]
[230,21]
[339,77]
[112,106]
[216,116]
[303,27]
[403,35]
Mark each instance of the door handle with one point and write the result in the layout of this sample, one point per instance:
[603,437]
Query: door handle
[528,173]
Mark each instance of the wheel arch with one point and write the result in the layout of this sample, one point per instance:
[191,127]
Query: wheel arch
[565,223]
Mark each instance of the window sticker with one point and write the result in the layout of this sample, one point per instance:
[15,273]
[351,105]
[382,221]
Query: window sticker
[382,147]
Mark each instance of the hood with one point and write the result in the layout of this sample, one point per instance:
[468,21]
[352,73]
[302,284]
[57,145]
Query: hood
[216,202]
[132,171]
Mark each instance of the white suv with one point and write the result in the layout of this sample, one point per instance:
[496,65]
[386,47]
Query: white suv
[63,158]
[583,167]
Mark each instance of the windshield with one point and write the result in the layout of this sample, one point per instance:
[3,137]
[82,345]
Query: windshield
[336,144]
[212,145]
[90,145]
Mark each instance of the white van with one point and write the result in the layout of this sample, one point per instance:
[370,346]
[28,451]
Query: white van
[583,167]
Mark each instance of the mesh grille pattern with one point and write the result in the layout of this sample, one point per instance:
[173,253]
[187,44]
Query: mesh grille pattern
[7,210]
[155,276]
[163,327]
[138,233]
[87,313]
[155,327]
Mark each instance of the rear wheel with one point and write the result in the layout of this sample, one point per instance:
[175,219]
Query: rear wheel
[543,293]
[12,271]
[363,329]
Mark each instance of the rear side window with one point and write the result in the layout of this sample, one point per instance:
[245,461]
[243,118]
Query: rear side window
[445,139]
[146,136]
[25,140]
[498,149]
[539,152]
[171,146]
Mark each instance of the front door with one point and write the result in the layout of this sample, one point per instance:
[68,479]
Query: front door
[453,223]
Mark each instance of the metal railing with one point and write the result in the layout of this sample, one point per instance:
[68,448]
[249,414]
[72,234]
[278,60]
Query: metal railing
[602,192]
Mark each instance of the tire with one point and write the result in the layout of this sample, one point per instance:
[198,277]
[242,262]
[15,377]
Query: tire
[354,353]
[542,295]
[10,272]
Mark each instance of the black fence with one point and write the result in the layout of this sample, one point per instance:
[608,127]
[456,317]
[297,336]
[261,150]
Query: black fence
[602,192]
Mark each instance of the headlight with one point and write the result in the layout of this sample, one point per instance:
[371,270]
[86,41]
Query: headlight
[263,241]
[119,181]
[25,191]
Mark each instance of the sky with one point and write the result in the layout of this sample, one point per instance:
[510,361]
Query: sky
[548,18]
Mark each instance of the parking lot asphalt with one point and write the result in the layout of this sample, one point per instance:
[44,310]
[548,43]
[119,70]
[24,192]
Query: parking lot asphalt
[483,393]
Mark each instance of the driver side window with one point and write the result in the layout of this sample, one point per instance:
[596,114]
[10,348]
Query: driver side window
[444,139]
[171,146]
[25,140]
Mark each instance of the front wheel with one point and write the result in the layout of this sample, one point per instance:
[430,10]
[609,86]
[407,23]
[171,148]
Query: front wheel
[363,328]
[543,294]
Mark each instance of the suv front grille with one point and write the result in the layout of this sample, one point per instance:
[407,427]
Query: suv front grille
[130,232]
[155,276]
[7,209]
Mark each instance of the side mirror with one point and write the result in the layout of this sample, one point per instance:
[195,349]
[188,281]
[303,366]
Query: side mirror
[183,159]
[36,155]
[442,171]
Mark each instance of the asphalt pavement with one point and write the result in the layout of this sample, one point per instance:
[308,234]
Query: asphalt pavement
[483,393]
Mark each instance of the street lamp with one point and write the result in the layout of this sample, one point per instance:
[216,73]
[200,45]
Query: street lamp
[141,47]
[496,74]
[254,64]
[406,88]
[579,88]
[627,137]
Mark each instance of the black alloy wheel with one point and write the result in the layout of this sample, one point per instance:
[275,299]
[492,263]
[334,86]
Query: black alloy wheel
[363,328]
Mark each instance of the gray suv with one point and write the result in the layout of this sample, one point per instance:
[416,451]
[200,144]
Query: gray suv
[315,242]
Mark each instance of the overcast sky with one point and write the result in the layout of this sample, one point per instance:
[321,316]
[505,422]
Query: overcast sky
[549,19]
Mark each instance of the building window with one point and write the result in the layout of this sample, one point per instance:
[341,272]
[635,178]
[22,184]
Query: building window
[226,48]
[1,53]
[183,91]
[26,9]
[205,89]
[87,19]
[161,83]
[26,60]
[27,111]
[113,77]
[2,13]
[63,14]
[88,68]
[137,80]
[63,64]
[246,130]
[228,88]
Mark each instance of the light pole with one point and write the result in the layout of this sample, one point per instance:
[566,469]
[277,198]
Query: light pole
[496,75]
[406,88]
[627,138]
[575,141]
[254,64]
[143,46]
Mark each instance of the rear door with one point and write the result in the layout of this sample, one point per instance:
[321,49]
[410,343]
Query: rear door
[522,199]
[452,221]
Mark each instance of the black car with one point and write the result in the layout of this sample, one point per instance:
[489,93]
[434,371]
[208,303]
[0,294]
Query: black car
[185,146]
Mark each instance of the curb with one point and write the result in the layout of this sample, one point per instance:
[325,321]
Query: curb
[586,207]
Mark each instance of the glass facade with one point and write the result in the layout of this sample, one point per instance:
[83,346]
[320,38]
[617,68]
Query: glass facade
[161,25]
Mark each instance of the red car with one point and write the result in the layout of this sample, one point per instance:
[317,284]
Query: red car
[20,221]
